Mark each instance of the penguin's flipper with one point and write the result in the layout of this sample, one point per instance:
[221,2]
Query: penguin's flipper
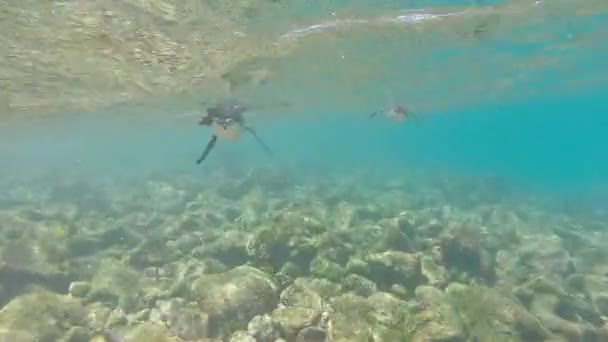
[258,139]
[208,149]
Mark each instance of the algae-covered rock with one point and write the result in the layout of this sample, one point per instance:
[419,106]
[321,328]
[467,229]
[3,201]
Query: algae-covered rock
[269,246]
[489,315]
[153,252]
[241,336]
[381,317]
[300,295]
[462,249]
[116,318]
[264,328]
[393,237]
[357,266]
[350,319]
[150,332]
[182,319]
[98,316]
[184,272]
[324,268]
[323,287]
[287,274]
[434,320]
[359,285]
[593,259]
[79,288]
[234,297]
[562,313]
[394,267]
[593,287]
[435,274]
[293,319]
[77,334]
[311,334]
[230,248]
[41,316]
[538,255]
[292,237]
[115,284]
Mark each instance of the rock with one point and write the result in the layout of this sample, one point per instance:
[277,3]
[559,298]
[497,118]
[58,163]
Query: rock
[263,328]
[77,334]
[359,285]
[150,332]
[387,310]
[394,267]
[17,335]
[129,303]
[139,317]
[152,252]
[570,331]
[323,287]
[41,316]
[82,245]
[98,316]
[399,291]
[324,268]
[601,302]
[242,336]
[432,322]
[20,267]
[190,324]
[292,319]
[298,295]
[436,274]
[357,266]
[183,319]
[438,332]
[393,237]
[491,316]
[349,321]
[380,317]
[562,313]
[102,295]
[79,289]
[185,244]
[311,334]
[185,272]
[234,297]
[230,248]
[593,259]
[538,255]
[273,246]
[113,280]
[594,287]
[116,318]
[462,250]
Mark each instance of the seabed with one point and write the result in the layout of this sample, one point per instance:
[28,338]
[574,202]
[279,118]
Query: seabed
[265,255]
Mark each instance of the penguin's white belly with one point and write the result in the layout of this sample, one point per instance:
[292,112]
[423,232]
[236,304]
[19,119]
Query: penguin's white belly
[232,132]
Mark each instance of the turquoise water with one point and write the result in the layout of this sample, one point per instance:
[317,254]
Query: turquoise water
[556,146]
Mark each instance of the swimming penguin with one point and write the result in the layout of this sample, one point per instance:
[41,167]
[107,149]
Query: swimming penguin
[396,113]
[227,119]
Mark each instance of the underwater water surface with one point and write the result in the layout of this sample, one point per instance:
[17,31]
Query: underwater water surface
[483,216]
